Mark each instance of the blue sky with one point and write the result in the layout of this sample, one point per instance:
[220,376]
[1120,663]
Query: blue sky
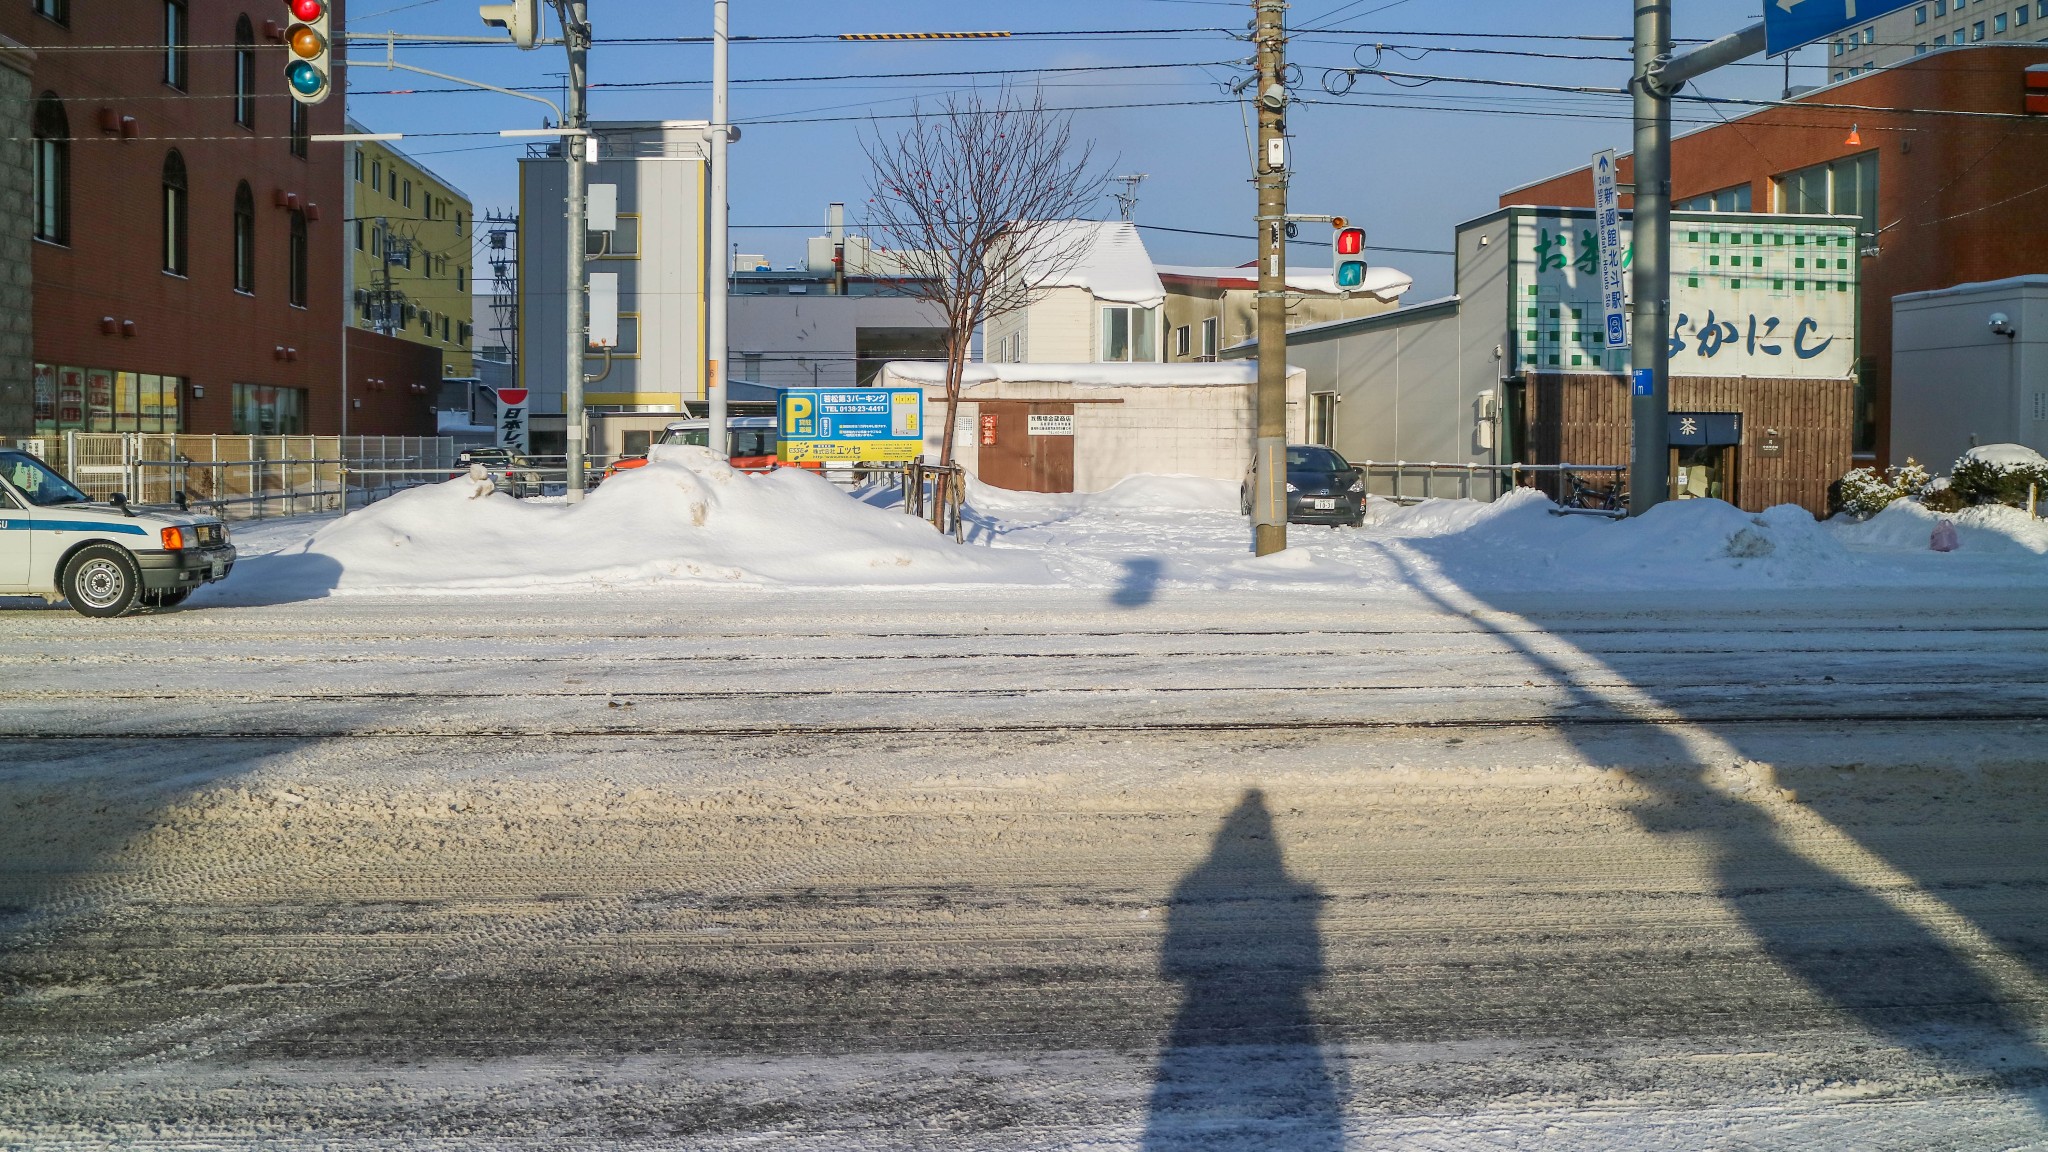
[1410,162]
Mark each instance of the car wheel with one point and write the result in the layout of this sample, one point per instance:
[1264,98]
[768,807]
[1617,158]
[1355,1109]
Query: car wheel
[102,580]
[168,598]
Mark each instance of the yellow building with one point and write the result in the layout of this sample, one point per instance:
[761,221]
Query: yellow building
[412,252]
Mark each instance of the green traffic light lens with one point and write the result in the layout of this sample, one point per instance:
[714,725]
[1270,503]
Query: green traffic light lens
[1350,275]
[305,79]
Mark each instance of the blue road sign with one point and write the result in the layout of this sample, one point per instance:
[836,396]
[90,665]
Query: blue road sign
[1790,24]
[1644,382]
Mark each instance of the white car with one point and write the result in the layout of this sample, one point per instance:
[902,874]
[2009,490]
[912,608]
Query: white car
[105,559]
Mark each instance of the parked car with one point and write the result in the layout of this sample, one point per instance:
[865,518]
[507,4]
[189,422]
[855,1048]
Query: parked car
[749,443]
[104,559]
[511,473]
[1322,487]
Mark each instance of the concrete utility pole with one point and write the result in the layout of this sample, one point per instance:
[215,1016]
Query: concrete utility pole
[1649,466]
[576,145]
[1269,456]
[720,263]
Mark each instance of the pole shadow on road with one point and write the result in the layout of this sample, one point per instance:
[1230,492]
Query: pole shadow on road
[1850,951]
[1139,584]
[1243,1066]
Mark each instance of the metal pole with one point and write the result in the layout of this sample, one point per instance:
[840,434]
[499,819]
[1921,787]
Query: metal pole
[1269,456]
[1649,459]
[715,244]
[576,34]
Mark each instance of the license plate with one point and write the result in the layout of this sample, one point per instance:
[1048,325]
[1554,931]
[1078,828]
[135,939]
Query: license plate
[1323,505]
[220,569]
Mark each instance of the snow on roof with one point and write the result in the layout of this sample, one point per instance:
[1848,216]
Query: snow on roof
[1237,373]
[1380,282]
[1115,265]
[1378,319]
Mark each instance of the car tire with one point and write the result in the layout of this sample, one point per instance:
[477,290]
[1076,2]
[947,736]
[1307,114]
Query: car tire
[102,580]
[168,598]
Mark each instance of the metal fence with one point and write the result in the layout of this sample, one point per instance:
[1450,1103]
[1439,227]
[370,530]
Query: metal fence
[1407,481]
[251,477]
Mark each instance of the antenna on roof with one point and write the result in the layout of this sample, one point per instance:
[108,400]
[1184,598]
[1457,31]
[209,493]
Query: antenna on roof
[1127,199]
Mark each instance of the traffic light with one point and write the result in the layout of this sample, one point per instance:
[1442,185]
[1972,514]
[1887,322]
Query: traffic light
[305,39]
[1348,260]
[521,18]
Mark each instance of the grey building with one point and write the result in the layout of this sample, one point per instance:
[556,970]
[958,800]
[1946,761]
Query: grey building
[1970,367]
[1930,25]
[816,330]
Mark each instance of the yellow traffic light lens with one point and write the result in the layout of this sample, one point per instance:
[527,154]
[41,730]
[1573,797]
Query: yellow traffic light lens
[307,43]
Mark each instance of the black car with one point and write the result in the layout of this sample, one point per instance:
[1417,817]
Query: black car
[1322,488]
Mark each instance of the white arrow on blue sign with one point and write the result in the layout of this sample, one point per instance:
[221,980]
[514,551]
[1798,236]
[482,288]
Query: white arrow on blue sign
[1790,24]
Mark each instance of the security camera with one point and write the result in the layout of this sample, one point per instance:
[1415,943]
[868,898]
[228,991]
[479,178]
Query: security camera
[2001,324]
[1274,98]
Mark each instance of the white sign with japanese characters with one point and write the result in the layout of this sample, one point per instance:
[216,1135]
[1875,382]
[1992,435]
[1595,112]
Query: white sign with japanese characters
[1607,238]
[1751,295]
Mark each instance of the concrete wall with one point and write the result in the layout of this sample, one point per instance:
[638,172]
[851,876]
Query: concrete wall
[1059,328]
[1955,383]
[662,171]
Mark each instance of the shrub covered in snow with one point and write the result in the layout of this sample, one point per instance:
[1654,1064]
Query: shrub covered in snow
[1998,474]
[1865,493]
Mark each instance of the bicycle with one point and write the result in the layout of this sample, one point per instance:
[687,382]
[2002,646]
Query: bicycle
[1609,497]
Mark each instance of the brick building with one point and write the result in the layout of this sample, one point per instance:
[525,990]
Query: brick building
[1945,199]
[187,234]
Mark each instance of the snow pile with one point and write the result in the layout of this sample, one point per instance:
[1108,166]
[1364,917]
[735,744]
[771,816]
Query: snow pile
[1112,263]
[1989,529]
[685,517]
[1143,492]
[2006,456]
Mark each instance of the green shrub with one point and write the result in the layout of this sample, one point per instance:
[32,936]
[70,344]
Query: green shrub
[1864,493]
[1983,482]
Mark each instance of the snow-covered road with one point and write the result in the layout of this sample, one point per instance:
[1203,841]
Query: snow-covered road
[1030,868]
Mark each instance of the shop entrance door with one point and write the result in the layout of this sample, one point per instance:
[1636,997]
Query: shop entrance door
[1703,473]
[1026,445]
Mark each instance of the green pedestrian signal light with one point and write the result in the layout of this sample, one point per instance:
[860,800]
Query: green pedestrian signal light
[307,76]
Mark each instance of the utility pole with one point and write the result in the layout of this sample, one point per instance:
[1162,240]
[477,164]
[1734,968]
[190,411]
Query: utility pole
[577,143]
[1649,470]
[715,246]
[1269,456]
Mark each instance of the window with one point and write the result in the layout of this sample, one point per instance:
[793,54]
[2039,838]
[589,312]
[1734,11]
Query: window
[1920,14]
[245,73]
[458,213]
[359,166]
[1322,418]
[1209,339]
[52,162]
[377,175]
[1735,199]
[1870,35]
[1182,340]
[1941,7]
[407,201]
[300,130]
[1998,24]
[1977,31]
[1128,335]
[58,10]
[1919,49]
[444,328]
[260,410]
[359,235]
[2041,9]
[461,278]
[296,271]
[1838,77]
[175,193]
[1838,48]
[2019,16]
[245,238]
[174,43]
[1847,187]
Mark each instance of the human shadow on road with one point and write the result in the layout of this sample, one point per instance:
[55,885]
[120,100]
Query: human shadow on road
[1139,584]
[1243,1067]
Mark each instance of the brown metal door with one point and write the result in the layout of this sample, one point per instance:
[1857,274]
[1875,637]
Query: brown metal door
[1017,460]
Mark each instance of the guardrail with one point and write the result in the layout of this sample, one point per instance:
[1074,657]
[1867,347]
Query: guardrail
[1573,497]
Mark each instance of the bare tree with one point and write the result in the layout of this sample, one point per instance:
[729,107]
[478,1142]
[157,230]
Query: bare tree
[972,200]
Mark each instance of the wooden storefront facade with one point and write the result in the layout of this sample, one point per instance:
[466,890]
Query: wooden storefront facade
[1795,441]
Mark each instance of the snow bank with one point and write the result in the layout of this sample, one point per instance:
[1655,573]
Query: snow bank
[2006,456]
[686,517]
[1989,529]
[1143,492]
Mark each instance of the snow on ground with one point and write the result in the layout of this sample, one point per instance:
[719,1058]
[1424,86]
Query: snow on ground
[689,519]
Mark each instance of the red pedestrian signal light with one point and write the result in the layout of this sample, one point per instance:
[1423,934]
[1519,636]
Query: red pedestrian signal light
[308,75]
[1348,264]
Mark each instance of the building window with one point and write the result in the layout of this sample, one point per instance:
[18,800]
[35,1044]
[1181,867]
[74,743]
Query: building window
[245,238]
[407,201]
[1941,7]
[1182,340]
[1209,339]
[1322,419]
[1838,48]
[2019,16]
[1977,31]
[1838,78]
[461,278]
[1735,199]
[52,162]
[175,37]
[1870,35]
[359,166]
[1920,14]
[175,194]
[260,410]
[458,212]
[1846,187]
[359,235]
[1128,335]
[1998,24]
[377,175]
[300,130]
[297,271]
[245,73]
[2041,9]
[444,328]
[58,10]
[1919,49]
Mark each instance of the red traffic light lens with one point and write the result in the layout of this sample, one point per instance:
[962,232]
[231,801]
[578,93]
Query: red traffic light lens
[1350,241]
[309,10]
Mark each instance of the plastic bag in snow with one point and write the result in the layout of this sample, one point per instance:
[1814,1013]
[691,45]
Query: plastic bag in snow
[1944,538]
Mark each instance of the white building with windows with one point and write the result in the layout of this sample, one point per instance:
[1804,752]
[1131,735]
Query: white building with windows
[1105,309]
[1924,26]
